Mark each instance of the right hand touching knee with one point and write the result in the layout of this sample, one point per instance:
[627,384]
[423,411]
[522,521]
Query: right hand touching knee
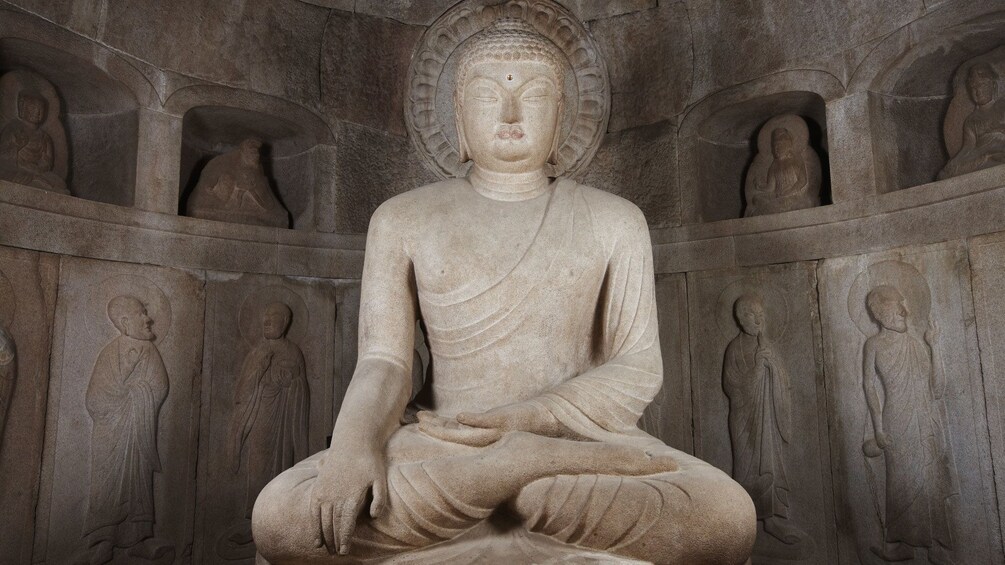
[345,477]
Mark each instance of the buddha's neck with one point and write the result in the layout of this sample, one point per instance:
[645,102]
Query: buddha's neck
[508,186]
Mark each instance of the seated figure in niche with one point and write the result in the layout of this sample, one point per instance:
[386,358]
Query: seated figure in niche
[983,143]
[760,417]
[910,432]
[27,151]
[271,411]
[786,176]
[538,299]
[233,188]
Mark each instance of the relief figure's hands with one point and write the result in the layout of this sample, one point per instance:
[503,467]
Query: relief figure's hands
[932,334]
[340,490]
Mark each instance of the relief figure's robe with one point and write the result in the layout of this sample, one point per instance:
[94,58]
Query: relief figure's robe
[127,388]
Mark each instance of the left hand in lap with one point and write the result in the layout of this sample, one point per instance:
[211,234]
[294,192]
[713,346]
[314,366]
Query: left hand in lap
[482,428]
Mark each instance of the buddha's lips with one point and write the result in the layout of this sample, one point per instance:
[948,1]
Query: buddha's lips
[511,132]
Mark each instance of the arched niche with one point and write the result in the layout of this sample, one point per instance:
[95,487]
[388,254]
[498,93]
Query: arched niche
[100,115]
[909,80]
[718,139]
[296,151]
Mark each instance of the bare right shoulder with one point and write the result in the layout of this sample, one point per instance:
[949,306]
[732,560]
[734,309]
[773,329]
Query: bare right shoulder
[405,216]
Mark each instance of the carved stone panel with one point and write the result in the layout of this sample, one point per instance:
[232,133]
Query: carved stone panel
[118,477]
[758,394]
[912,468]
[27,305]
[669,415]
[346,342]
[266,398]
[987,256]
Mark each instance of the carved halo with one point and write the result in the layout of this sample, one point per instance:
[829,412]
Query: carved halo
[429,114]
[157,303]
[961,105]
[15,82]
[794,124]
[905,278]
[776,309]
[250,317]
[8,302]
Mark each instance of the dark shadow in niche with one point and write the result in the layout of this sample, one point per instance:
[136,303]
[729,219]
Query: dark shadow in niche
[726,144]
[100,116]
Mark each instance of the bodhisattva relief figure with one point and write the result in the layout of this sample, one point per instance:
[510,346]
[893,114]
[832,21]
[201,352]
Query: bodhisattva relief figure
[8,376]
[127,388]
[983,129]
[538,297]
[233,188]
[760,417]
[910,431]
[785,174]
[272,404]
[27,152]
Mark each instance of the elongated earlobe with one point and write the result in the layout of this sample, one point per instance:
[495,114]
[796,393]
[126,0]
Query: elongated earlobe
[553,156]
[462,144]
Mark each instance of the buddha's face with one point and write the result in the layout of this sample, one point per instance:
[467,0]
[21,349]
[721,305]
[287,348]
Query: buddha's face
[889,311]
[275,321]
[32,109]
[981,85]
[750,316]
[781,143]
[510,115]
[136,324]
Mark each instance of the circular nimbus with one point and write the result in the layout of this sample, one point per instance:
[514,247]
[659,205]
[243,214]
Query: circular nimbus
[253,307]
[429,106]
[902,276]
[146,291]
[776,309]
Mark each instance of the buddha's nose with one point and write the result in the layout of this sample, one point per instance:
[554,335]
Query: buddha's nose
[510,110]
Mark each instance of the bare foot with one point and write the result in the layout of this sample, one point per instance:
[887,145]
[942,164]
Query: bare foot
[570,457]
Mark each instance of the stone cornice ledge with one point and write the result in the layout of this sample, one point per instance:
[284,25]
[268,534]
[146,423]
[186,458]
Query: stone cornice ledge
[54,223]
[955,208]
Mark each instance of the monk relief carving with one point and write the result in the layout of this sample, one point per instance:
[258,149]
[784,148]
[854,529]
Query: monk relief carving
[785,174]
[974,127]
[127,387]
[8,376]
[907,445]
[271,415]
[33,148]
[538,299]
[233,188]
[758,386]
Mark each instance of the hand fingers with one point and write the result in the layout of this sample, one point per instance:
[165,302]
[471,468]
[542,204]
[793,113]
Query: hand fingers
[379,497]
[348,523]
[327,527]
[483,420]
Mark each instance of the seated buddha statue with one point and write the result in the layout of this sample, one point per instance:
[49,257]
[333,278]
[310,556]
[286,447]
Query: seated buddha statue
[538,299]
[27,151]
[984,129]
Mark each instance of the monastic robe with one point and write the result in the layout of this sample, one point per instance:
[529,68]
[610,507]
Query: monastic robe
[230,190]
[920,472]
[983,142]
[27,157]
[593,287]
[786,188]
[272,415]
[8,375]
[127,388]
[759,424]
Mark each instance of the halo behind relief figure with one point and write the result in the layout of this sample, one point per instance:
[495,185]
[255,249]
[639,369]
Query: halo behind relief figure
[434,72]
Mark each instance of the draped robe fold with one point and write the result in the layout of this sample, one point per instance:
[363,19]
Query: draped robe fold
[127,388]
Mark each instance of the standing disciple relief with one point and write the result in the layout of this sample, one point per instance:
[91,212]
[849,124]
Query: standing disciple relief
[8,376]
[126,390]
[904,386]
[233,188]
[975,123]
[785,174]
[760,417]
[538,298]
[33,147]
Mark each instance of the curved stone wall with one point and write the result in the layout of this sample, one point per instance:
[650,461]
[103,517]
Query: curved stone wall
[323,83]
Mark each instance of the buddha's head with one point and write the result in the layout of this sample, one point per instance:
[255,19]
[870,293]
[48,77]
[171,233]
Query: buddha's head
[32,108]
[982,83]
[276,320]
[508,98]
[749,312]
[130,317]
[249,149]
[887,308]
[781,143]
